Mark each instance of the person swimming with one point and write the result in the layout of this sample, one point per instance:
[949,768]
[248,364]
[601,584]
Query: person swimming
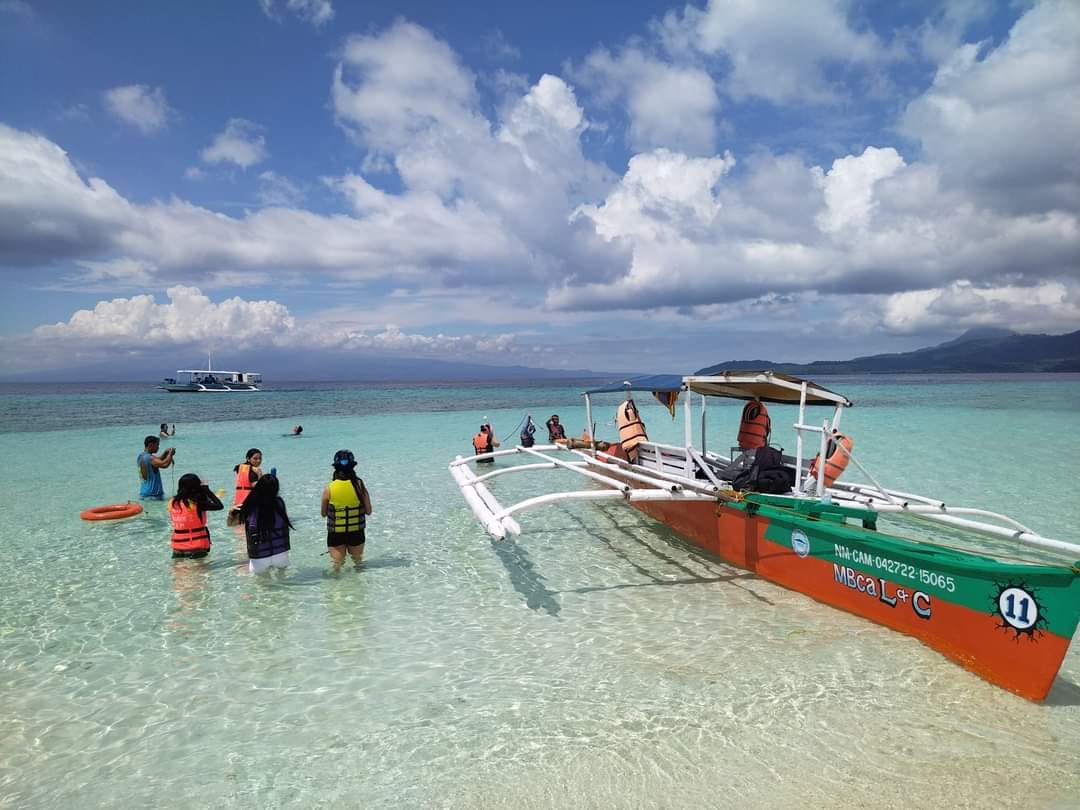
[297,430]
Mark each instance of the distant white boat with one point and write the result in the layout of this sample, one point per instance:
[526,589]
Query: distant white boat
[207,380]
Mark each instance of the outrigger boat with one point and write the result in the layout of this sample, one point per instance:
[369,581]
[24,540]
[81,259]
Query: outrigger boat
[957,584]
[208,381]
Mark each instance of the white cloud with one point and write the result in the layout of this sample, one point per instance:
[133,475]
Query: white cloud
[1046,307]
[194,173]
[241,143]
[1005,122]
[849,187]
[190,317]
[391,88]
[781,51]
[671,106]
[141,106]
[316,12]
[277,190]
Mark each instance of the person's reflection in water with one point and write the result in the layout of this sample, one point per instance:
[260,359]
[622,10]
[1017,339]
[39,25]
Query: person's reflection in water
[191,584]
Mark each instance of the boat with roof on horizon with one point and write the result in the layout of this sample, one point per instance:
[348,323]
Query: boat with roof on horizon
[979,587]
[208,380]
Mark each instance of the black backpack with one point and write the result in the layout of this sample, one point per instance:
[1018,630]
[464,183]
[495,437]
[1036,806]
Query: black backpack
[767,474]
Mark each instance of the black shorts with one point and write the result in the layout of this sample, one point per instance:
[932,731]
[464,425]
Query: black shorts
[189,555]
[356,538]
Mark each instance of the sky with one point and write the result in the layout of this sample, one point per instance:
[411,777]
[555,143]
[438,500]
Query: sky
[631,186]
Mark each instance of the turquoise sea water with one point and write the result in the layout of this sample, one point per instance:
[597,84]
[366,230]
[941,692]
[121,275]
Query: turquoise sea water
[595,661]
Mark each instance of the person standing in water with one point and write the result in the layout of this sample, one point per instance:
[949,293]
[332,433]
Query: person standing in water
[246,475]
[345,505]
[266,526]
[485,442]
[149,464]
[187,510]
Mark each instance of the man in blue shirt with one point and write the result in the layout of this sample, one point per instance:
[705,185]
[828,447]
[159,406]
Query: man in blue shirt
[149,464]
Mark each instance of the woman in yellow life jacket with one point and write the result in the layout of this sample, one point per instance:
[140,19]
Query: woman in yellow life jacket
[345,505]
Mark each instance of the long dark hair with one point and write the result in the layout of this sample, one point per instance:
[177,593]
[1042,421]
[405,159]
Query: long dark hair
[247,458]
[189,488]
[264,503]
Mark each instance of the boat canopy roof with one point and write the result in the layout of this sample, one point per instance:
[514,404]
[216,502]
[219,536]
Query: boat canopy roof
[768,386]
[650,382]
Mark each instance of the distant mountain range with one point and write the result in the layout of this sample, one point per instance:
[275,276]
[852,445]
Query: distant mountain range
[983,350]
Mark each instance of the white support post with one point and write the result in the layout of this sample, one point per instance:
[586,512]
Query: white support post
[688,431]
[703,398]
[588,417]
[799,438]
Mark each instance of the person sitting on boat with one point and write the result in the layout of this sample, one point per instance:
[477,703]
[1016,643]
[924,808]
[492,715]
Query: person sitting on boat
[187,510]
[149,464]
[485,442]
[266,526]
[246,475]
[345,505]
[555,430]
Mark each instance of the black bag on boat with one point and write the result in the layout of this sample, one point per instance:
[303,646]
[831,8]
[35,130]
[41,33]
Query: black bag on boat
[767,474]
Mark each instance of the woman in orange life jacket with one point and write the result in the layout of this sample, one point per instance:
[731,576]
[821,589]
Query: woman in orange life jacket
[266,525]
[190,537]
[485,442]
[246,475]
[345,505]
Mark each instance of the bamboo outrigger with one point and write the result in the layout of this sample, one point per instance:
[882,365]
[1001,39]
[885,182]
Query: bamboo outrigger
[1008,620]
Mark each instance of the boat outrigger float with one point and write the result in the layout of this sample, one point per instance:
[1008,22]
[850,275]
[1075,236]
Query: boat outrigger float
[958,584]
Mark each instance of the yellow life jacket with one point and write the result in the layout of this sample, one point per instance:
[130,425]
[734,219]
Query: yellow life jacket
[345,512]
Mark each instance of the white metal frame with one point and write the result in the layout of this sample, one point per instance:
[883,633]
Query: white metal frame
[669,473]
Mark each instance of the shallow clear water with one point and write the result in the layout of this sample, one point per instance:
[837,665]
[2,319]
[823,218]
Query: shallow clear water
[595,661]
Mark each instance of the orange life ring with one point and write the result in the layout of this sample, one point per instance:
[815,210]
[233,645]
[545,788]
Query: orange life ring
[836,461]
[113,511]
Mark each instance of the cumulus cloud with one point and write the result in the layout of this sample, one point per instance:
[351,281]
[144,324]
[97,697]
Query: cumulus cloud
[141,106]
[671,106]
[782,52]
[240,143]
[316,12]
[1005,121]
[274,189]
[191,318]
[848,187]
[1048,306]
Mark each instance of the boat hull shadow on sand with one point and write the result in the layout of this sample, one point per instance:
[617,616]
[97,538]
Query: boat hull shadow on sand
[1008,620]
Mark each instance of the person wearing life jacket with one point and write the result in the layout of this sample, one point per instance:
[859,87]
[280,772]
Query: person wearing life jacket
[187,510]
[266,526]
[836,460]
[631,428]
[556,432]
[485,442]
[755,426]
[246,475]
[345,505]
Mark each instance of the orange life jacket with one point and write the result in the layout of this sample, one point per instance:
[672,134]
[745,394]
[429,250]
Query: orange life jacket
[244,484]
[189,527]
[481,443]
[631,428]
[755,427]
[836,461]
